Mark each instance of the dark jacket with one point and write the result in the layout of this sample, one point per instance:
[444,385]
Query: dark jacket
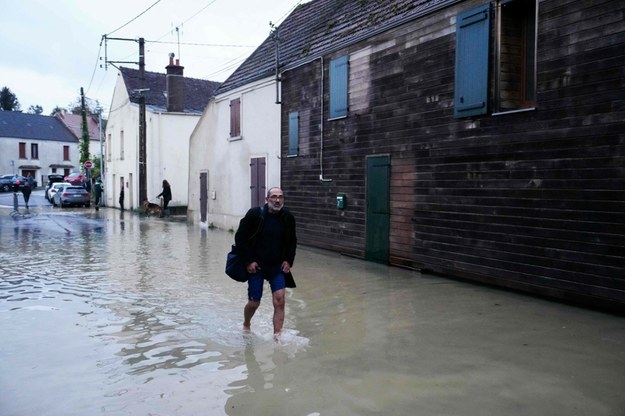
[251,225]
[166,194]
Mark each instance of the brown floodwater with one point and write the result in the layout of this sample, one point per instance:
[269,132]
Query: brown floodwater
[117,314]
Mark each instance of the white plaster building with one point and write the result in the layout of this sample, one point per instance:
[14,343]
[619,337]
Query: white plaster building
[174,105]
[235,154]
[36,145]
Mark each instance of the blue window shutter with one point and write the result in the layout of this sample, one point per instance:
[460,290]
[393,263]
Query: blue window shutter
[338,86]
[293,133]
[472,40]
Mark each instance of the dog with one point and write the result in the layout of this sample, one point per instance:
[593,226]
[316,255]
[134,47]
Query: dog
[152,209]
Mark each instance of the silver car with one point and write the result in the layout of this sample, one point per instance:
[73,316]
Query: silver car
[54,189]
[72,195]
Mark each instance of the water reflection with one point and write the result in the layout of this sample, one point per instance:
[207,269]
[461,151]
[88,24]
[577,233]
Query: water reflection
[124,315]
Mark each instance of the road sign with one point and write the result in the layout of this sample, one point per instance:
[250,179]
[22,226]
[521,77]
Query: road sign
[88,164]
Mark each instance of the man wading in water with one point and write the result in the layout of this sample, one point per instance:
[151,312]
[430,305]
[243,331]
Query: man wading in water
[267,241]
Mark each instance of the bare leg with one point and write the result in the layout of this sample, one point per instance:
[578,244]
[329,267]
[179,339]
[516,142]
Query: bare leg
[248,313]
[278,310]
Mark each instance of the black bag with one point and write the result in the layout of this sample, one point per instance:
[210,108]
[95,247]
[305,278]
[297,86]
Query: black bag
[235,267]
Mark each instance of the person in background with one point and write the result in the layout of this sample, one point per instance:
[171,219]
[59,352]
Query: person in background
[267,239]
[27,189]
[97,193]
[121,198]
[166,194]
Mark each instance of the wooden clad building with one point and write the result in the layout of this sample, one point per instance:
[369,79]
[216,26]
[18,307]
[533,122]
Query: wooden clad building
[481,140]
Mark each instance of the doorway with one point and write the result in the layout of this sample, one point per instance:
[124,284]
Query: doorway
[258,181]
[378,208]
[203,196]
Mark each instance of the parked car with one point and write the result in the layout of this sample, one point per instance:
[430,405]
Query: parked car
[23,181]
[70,195]
[76,178]
[6,183]
[54,189]
[52,178]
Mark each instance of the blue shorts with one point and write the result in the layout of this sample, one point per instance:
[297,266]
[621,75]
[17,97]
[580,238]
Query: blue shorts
[257,280]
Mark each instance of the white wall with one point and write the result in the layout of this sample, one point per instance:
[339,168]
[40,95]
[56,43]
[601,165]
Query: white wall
[123,120]
[168,154]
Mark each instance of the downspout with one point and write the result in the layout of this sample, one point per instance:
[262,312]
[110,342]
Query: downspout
[321,177]
[276,39]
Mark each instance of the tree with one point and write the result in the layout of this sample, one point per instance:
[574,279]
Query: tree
[35,109]
[95,171]
[84,141]
[8,100]
[57,110]
[92,107]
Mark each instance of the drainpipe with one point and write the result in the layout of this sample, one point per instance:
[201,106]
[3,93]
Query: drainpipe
[276,38]
[321,177]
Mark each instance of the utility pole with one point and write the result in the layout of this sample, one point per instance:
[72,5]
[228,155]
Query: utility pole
[143,190]
[143,166]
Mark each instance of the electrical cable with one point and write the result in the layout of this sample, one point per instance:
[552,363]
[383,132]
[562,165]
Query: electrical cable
[135,18]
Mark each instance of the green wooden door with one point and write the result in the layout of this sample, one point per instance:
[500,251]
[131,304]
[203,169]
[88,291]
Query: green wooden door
[378,208]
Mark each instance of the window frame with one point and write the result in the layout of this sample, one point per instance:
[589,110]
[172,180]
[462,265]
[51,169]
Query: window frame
[235,118]
[479,72]
[339,88]
[121,145]
[293,149]
[528,46]
[22,150]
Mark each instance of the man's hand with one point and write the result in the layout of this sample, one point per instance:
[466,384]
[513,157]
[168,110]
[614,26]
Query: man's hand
[286,267]
[252,267]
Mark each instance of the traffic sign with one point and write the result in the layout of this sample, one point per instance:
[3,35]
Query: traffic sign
[88,164]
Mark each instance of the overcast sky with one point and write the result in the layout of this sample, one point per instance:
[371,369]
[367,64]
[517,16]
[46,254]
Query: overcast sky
[49,49]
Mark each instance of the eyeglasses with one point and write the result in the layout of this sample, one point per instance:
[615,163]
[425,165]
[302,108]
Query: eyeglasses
[276,197]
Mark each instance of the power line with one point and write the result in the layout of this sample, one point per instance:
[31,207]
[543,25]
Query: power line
[135,18]
[201,44]
[95,66]
[192,16]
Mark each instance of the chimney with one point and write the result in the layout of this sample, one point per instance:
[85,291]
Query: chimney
[175,85]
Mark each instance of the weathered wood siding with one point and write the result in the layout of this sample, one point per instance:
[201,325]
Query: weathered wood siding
[530,200]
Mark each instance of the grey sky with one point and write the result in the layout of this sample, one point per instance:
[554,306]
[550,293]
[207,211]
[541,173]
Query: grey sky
[49,49]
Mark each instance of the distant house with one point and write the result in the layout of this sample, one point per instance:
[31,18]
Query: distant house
[36,145]
[236,148]
[482,140]
[74,123]
[174,104]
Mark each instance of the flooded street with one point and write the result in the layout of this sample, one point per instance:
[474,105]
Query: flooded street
[111,313]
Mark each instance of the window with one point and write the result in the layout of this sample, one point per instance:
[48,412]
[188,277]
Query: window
[34,151]
[235,117]
[293,133]
[108,148]
[339,77]
[66,153]
[121,145]
[22,150]
[513,62]
[516,50]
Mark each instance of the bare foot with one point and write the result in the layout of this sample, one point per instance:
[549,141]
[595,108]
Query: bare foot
[246,328]
[276,337]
